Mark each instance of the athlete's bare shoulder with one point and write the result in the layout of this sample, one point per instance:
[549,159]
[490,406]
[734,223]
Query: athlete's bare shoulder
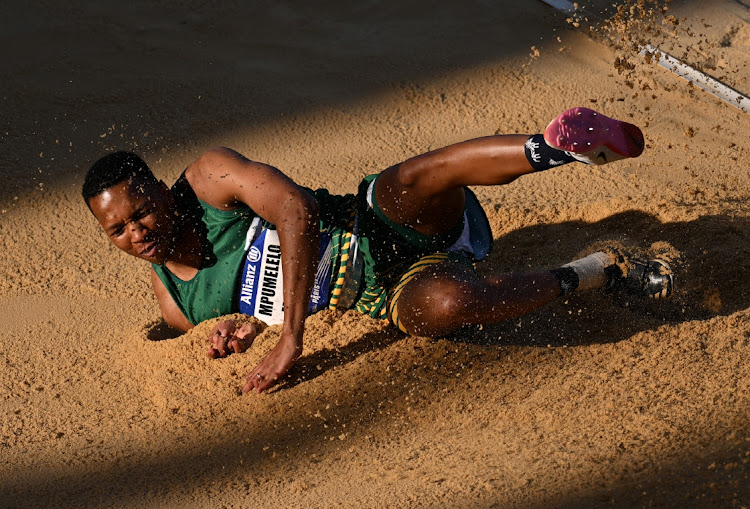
[217,175]
[225,179]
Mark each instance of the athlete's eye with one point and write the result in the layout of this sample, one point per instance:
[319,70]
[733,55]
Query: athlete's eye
[142,213]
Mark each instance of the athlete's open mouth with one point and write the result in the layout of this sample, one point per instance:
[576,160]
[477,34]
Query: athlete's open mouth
[150,250]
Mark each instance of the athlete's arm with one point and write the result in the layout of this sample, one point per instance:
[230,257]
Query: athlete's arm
[169,310]
[225,179]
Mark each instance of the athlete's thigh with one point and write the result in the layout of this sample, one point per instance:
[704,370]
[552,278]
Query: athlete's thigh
[406,201]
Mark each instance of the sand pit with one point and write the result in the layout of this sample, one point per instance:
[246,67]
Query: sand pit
[589,402]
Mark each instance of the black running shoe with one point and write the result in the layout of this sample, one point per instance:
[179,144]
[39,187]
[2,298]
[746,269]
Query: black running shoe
[652,278]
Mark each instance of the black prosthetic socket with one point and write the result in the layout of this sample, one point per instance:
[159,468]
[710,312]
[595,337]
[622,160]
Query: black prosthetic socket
[568,278]
[543,157]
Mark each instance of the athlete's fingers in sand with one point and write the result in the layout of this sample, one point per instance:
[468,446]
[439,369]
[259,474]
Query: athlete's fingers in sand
[251,382]
[247,332]
[221,345]
[220,334]
[243,338]
[225,328]
[218,347]
[265,383]
[226,339]
[258,382]
[237,345]
[274,365]
[255,381]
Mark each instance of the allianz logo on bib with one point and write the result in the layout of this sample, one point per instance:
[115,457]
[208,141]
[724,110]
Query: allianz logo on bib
[254,255]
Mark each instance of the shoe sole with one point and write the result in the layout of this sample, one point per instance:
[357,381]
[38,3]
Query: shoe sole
[659,282]
[582,130]
[642,278]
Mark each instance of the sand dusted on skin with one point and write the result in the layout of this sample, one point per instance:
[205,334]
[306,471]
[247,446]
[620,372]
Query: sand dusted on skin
[592,401]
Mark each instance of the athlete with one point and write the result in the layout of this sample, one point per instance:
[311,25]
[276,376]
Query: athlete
[238,235]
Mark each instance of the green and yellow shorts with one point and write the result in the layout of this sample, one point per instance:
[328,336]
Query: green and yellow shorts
[394,254]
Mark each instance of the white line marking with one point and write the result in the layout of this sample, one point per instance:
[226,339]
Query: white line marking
[676,66]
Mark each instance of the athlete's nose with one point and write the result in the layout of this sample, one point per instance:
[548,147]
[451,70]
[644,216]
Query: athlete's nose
[137,231]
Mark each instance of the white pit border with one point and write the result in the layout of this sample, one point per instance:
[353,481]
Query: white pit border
[676,66]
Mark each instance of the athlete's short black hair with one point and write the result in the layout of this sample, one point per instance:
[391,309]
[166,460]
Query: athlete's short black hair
[115,168]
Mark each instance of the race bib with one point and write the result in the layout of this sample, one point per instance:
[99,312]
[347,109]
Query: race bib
[261,292]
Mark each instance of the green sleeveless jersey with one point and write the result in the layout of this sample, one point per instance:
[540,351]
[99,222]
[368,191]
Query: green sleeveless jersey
[213,291]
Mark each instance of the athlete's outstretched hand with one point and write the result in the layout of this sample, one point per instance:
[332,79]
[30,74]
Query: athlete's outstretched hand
[275,364]
[227,338]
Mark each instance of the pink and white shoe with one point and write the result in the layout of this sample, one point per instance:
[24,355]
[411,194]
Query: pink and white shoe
[593,138]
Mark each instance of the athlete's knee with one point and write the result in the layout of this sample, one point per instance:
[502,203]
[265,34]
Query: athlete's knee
[437,308]
[451,300]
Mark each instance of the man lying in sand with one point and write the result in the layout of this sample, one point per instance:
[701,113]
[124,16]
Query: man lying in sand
[234,235]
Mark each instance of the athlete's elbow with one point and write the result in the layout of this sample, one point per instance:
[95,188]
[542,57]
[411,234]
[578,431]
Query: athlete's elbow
[303,208]
[176,321]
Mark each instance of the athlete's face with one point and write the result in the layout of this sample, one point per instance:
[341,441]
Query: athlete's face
[137,218]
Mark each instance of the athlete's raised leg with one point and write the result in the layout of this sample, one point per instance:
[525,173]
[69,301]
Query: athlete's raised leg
[425,192]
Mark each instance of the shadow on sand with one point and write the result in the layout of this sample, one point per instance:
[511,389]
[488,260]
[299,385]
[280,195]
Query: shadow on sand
[154,78]
[710,256]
